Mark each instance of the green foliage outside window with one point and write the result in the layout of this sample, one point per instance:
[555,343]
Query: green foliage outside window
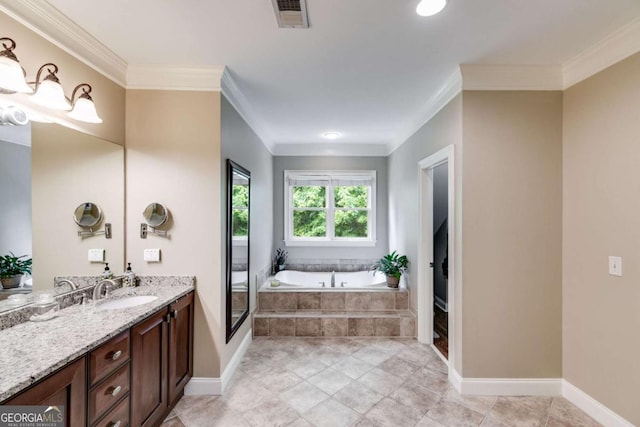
[240,211]
[351,214]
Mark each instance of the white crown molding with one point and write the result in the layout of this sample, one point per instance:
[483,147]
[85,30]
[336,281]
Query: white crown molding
[332,149]
[617,46]
[237,99]
[592,407]
[155,77]
[511,77]
[511,386]
[48,22]
[451,87]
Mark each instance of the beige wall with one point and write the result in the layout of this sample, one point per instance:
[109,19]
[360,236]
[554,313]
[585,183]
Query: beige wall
[69,168]
[601,313]
[173,157]
[34,51]
[512,228]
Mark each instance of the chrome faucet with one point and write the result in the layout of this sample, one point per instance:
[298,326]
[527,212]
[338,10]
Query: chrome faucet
[97,291]
[67,281]
[333,279]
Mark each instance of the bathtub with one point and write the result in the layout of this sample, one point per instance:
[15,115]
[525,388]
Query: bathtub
[302,280]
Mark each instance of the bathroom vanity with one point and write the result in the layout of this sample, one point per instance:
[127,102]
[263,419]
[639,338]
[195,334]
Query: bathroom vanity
[107,367]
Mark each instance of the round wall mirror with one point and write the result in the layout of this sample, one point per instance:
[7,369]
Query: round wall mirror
[155,214]
[87,215]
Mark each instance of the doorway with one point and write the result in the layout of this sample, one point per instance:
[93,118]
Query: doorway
[436,254]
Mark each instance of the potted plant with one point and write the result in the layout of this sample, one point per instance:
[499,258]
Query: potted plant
[12,268]
[280,259]
[392,265]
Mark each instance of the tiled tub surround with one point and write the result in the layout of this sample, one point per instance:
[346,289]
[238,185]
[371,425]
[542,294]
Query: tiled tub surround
[337,265]
[331,313]
[30,351]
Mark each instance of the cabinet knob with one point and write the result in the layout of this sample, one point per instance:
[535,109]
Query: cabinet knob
[116,355]
[116,391]
[116,424]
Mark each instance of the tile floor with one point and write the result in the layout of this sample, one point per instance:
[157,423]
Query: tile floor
[360,382]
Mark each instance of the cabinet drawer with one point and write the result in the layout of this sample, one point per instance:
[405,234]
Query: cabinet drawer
[104,359]
[103,396]
[117,417]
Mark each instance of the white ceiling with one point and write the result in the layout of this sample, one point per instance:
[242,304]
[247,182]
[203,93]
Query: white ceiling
[364,68]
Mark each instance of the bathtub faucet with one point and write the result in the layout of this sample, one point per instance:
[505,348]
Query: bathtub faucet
[333,279]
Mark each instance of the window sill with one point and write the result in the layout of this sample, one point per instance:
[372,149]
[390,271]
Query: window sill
[332,243]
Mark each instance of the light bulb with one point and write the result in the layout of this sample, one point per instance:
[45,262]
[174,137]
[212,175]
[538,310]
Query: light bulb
[331,135]
[430,7]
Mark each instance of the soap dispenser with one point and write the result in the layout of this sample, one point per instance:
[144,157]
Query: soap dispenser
[129,277]
[107,274]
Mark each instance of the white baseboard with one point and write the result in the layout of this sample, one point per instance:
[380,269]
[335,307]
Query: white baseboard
[511,386]
[591,406]
[215,386]
[236,359]
[455,379]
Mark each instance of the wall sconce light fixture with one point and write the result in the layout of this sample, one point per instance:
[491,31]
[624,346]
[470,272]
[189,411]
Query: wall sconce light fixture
[83,107]
[48,90]
[12,75]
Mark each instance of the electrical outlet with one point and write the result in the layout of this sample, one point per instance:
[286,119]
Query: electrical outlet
[152,255]
[96,255]
[615,266]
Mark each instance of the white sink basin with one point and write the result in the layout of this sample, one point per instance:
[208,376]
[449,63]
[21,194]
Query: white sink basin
[127,302]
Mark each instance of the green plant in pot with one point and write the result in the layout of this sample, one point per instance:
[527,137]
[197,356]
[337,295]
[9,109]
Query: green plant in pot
[280,260]
[12,268]
[392,265]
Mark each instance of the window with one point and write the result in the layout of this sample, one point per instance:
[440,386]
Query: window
[240,207]
[326,208]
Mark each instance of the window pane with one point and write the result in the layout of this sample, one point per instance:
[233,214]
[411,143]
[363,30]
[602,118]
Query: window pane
[351,223]
[309,224]
[309,197]
[351,196]
[240,196]
[240,222]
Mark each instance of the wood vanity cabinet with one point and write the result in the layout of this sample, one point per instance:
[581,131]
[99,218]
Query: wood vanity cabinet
[161,361]
[66,387]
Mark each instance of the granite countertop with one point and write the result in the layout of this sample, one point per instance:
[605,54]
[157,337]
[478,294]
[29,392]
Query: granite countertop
[30,351]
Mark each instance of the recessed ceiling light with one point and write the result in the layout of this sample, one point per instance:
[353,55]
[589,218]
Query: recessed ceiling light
[430,7]
[331,135]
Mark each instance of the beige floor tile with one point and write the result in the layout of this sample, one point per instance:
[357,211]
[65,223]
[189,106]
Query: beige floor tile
[217,413]
[450,413]
[193,404]
[303,397]
[331,413]
[521,411]
[245,397]
[279,380]
[437,365]
[388,413]
[300,422]
[271,413]
[417,355]
[398,367]
[380,381]
[352,367]
[416,397]
[433,380]
[428,422]
[372,355]
[480,404]
[330,381]
[173,422]
[490,422]
[563,412]
[358,397]
[306,366]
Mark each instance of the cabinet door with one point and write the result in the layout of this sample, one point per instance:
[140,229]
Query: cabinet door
[180,345]
[149,370]
[67,388]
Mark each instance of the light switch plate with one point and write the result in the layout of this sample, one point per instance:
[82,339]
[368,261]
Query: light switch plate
[96,255]
[615,266]
[152,255]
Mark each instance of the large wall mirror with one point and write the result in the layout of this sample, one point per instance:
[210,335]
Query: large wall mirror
[238,189]
[48,171]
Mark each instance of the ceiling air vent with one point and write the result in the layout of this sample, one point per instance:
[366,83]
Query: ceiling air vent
[291,13]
